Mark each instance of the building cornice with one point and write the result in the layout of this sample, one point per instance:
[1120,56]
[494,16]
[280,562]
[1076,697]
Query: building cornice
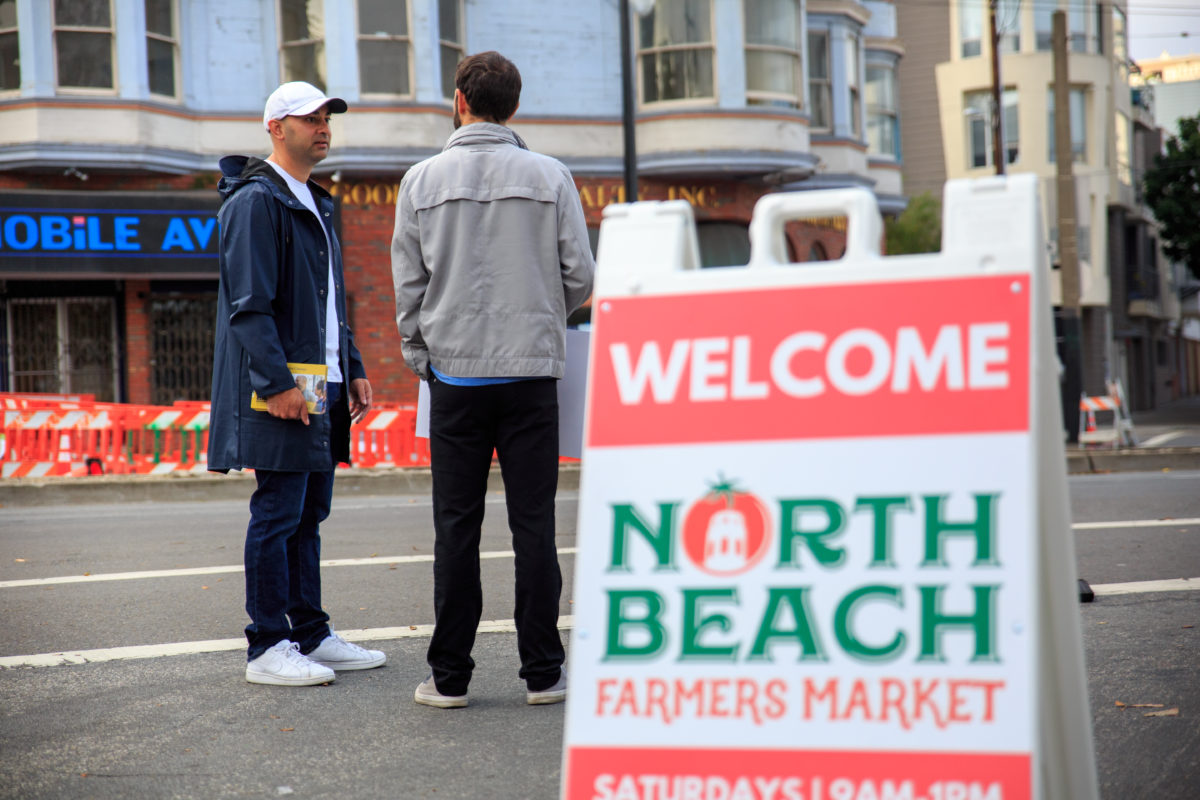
[842,8]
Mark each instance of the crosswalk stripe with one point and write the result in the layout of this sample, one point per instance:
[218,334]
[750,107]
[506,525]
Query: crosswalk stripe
[183,572]
[69,657]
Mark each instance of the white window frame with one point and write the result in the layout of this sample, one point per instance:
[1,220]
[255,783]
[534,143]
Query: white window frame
[1120,23]
[888,115]
[360,37]
[284,44]
[819,87]
[111,31]
[173,41]
[641,53]
[1011,132]
[764,97]
[1123,147]
[459,46]
[1077,93]
[970,12]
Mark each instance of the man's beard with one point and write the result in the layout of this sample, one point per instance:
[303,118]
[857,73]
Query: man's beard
[457,120]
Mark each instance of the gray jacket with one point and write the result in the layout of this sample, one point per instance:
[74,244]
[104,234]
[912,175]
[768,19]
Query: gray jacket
[489,256]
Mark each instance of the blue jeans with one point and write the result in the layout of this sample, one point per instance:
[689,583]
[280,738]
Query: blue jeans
[283,557]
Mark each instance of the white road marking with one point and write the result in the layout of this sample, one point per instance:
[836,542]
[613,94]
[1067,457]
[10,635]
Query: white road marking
[420,559]
[176,573]
[1137,523]
[1161,439]
[223,645]
[1145,587]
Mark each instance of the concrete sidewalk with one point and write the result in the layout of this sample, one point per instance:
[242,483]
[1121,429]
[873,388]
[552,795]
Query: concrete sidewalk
[1168,437]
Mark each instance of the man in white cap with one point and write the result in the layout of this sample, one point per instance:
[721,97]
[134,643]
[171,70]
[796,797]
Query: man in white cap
[282,301]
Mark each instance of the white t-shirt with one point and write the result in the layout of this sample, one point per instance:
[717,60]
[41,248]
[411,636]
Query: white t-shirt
[304,195]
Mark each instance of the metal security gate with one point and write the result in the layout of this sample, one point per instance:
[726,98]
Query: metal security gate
[182,355]
[62,345]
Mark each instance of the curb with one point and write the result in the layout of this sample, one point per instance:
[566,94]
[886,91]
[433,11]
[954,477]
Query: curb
[1083,462]
[184,487]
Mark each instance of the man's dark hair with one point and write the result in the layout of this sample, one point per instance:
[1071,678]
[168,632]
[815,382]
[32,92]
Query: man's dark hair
[491,85]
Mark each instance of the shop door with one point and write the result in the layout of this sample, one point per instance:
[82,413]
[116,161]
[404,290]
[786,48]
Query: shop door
[183,346]
[63,345]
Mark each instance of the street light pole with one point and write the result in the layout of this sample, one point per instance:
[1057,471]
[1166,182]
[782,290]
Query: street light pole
[627,121]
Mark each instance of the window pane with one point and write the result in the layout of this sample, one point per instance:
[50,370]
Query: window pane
[851,54]
[881,135]
[970,27]
[383,67]
[383,17]
[301,20]
[158,18]
[1077,26]
[88,13]
[450,59]
[1078,122]
[676,22]
[677,75]
[822,103]
[818,55]
[8,13]
[305,63]
[1120,51]
[881,92]
[84,59]
[773,22]
[160,61]
[10,62]
[448,23]
[723,244]
[771,72]
[980,157]
[1043,23]
[1008,22]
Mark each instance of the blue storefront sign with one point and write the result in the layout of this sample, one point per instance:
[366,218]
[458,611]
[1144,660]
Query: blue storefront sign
[108,234]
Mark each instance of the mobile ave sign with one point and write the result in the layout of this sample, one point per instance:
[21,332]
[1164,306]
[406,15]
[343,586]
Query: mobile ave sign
[824,547]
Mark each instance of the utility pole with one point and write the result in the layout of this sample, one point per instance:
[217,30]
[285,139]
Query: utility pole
[997,93]
[1070,325]
[627,119]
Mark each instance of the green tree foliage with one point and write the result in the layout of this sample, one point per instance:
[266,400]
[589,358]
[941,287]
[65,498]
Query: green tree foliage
[1172,190]
[918,229]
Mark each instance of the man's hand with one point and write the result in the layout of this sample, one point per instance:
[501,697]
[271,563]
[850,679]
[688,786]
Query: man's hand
[288,405]
[360,398]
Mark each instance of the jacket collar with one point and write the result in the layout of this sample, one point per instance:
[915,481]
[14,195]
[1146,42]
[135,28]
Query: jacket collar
[237,171]
[484,133]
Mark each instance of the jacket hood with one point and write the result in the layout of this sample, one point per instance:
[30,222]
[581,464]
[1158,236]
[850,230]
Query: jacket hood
[484,133]
[237,171]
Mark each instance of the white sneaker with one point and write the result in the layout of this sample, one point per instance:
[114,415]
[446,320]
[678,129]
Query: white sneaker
[283,665]
[555,694]
[427,694]
[336,653]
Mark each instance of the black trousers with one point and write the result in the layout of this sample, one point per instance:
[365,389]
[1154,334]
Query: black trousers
[519,421]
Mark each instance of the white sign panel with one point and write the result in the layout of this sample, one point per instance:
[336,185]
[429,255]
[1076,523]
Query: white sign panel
[807,540]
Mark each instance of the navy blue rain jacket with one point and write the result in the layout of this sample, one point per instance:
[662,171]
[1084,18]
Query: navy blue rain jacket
[271,310]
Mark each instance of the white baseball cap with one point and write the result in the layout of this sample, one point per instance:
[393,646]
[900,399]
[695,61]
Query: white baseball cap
[297,98]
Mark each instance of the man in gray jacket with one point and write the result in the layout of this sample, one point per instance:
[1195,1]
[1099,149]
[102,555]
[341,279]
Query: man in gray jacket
[489,256]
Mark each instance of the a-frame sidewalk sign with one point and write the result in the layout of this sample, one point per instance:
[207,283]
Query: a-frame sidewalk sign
[824,545]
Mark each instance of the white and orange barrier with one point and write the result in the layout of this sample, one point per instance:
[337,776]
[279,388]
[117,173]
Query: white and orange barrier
[1117,427]
[55,435]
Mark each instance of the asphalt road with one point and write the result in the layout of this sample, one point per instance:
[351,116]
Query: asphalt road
[188,726]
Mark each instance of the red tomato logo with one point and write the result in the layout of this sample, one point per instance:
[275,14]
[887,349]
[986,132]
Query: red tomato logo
[726,531]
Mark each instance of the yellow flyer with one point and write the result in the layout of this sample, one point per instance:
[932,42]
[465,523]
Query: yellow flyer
[310,380]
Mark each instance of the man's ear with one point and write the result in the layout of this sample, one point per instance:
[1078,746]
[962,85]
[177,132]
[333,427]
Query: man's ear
[460,103]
